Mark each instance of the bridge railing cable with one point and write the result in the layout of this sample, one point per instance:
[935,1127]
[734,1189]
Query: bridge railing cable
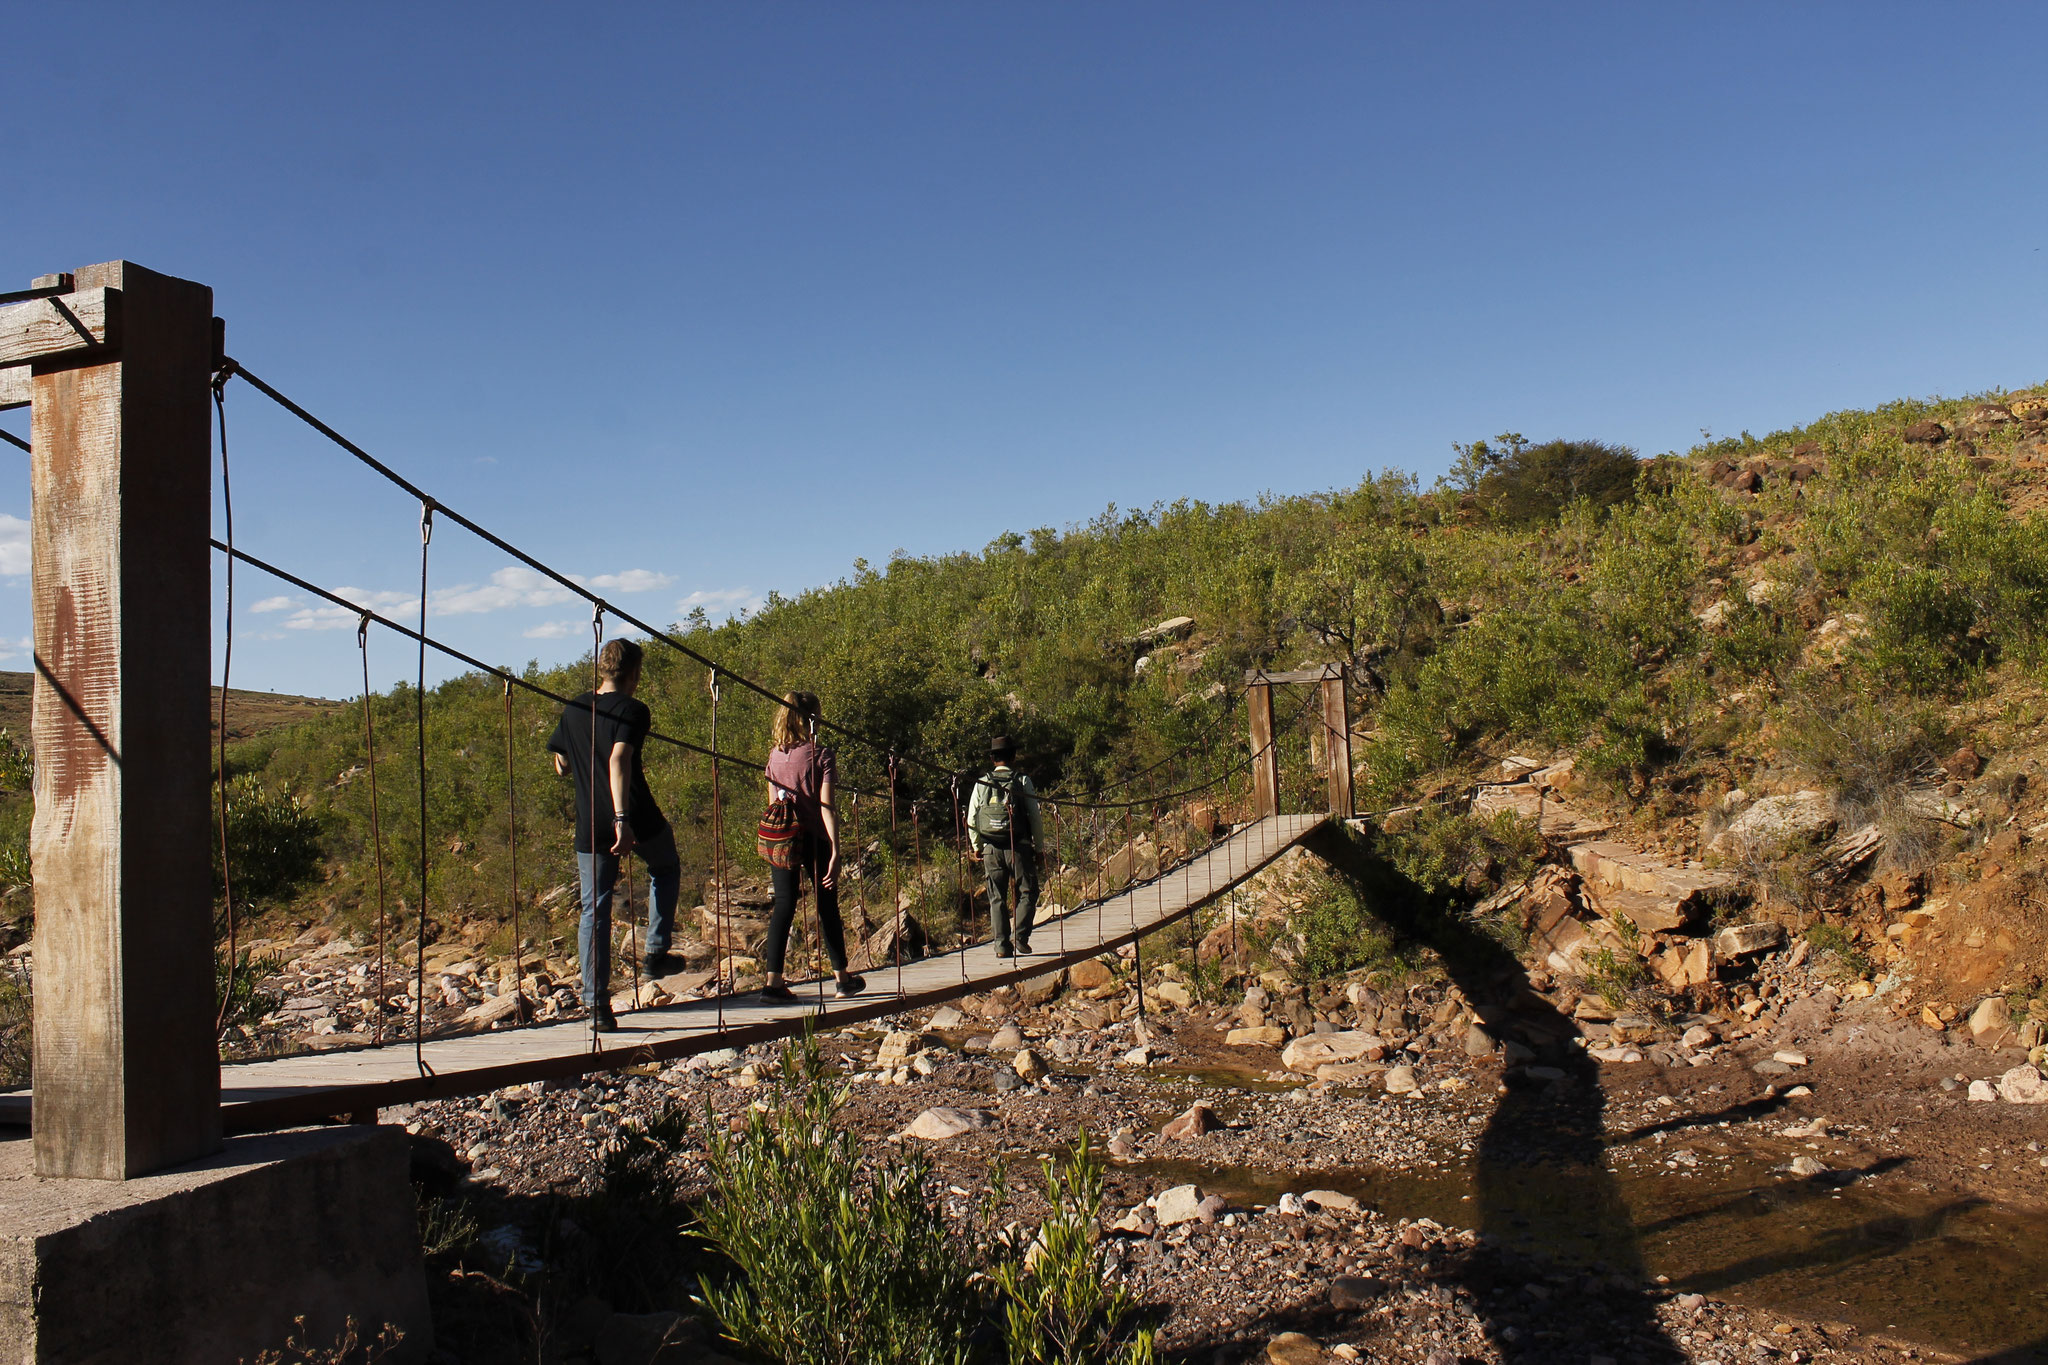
[548,571]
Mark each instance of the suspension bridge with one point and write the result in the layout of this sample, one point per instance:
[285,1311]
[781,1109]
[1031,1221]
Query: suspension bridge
[121,368]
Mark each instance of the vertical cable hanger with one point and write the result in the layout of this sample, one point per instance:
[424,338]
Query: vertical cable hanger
[897,920]
[419,696]
[597,945]
[227,659]
[376,829]
[721,983]
[512,846]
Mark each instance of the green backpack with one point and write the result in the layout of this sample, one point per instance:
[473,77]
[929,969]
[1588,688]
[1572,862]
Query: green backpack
[996,818]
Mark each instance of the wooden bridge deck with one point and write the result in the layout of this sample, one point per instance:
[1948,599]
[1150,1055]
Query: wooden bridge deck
[314,1087]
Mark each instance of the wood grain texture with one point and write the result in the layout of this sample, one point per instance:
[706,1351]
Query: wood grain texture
[82,321]
[14,387]
[1265,754]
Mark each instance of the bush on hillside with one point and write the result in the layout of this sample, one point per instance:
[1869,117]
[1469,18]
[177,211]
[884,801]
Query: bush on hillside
[1521,484]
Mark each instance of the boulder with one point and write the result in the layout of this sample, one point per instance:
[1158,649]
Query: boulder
[1349,1073]
[1036,990]
[945,1016]
[1982,1093]
[1480,1043]
[1330,1201]
[1926,433]
[901,934]
[1265,1036]
[1090,975]
[1294,1348]
[1174,993]
[1030,1067]
[897,1049]
[1199,1120]
[1349,1293]
[1776,821]
[2022,1085]
[1740,940]
[1991,1023]
[943,1123]
[1008,1038]
[1181,1204]
[1307,1053]
[1401,1080]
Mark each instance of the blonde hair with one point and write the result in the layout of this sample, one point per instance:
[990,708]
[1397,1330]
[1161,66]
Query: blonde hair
[794,719]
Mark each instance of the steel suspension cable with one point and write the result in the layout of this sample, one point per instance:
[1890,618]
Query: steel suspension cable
[541,567]
[376,829]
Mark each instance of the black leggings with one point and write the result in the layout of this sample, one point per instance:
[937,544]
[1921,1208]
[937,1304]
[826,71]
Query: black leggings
[788,883]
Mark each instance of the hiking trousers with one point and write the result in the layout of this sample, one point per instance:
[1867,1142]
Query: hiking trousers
[1002,865]
[788,886]
[599,873]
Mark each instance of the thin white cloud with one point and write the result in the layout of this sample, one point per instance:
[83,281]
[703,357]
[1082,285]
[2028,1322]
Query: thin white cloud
[555,630]
[711,599]
[272,604]
[508,588]
[17,649]
[632,580]
[13,546]
[326,617]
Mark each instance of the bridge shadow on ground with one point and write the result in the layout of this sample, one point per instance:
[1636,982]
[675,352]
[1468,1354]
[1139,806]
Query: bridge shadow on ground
[1545,1140]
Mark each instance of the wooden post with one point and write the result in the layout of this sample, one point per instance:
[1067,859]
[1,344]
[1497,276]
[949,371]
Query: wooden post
[1265,757]
[1337,740]
[127,1077]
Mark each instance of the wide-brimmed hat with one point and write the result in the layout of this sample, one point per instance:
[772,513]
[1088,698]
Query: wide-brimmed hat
[1002,746]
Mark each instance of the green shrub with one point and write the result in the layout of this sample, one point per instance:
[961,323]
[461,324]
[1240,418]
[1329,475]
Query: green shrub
[1452,853]
[238,985]
[1616,976]
[1862,745]
[273,841]
[839,1256]
[1057,1305]
[1519,483]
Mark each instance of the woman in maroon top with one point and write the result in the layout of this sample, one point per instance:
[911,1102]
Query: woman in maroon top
[801,768]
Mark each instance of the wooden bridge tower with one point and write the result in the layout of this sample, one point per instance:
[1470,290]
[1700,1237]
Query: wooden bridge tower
[1334,716]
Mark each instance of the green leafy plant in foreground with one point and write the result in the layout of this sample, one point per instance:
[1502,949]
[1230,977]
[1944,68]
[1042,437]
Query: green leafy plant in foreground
[841,1258]
[1058,1308]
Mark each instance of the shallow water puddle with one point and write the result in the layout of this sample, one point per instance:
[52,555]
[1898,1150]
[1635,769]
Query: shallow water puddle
[1961,1275]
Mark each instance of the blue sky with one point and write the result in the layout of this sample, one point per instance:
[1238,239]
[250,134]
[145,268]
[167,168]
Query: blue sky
[700,301]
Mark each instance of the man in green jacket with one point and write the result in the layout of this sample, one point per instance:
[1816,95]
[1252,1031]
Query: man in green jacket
[1004,826]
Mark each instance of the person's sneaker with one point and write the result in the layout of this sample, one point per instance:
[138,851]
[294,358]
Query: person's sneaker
[777,993]
[1026,950]
[607,1022]
[659,965]
[1005,950]
[852,986]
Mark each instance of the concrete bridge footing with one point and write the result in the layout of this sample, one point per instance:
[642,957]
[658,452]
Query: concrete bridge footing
[213,1260]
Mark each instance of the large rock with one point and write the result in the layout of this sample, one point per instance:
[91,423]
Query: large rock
[1181,1204]
[1030,1067]
[943,1123]
[1740,940]
[1991,1023]
[1174,994]
[1036,990]
[1401,1081]
[1307,1053]
[2023,1085]
[902,933]
[1351,1292]
[897,1049]
[1479,1042]
[1294,1348]
[1089,973]
[1264,1036]
[1776,821]
[1200,1119]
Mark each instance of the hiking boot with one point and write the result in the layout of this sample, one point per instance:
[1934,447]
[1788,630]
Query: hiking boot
[1005,950]
[607,1022]
[852,986]
[657,965]
[779,994]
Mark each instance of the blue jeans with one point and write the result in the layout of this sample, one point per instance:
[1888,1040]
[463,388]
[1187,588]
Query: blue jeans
[599,873]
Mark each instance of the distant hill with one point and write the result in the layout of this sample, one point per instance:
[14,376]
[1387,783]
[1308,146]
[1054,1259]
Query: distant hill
[250,714]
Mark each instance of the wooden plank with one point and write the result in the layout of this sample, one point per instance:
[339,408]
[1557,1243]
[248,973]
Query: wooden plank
[127,1077]
[1337,743]
[1265,754]
[1320,673]
[14,387]
[77,322]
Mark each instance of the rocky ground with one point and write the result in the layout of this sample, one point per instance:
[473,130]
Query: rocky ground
[1424,1238]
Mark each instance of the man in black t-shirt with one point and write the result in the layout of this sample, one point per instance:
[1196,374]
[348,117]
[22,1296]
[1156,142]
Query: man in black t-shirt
[620,811]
